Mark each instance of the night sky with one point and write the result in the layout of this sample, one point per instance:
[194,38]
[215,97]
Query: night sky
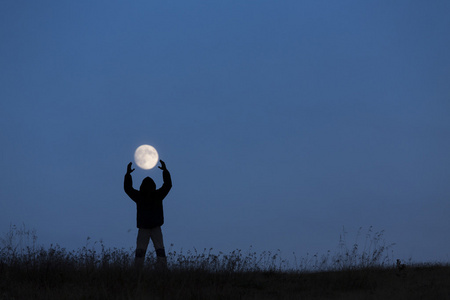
[281,122]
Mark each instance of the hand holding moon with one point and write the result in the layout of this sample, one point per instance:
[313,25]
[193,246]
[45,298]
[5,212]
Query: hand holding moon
[129,169]
[163,165]
[146,157]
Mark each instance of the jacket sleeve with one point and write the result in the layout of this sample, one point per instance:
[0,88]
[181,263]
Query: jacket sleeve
[167,185]
[128,187]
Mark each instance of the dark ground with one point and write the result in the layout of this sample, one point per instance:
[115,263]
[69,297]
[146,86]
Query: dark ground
[414,282]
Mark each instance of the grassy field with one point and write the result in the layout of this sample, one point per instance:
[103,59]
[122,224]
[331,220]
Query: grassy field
[93,272]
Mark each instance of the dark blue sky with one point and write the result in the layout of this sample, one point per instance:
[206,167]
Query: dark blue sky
[281,121]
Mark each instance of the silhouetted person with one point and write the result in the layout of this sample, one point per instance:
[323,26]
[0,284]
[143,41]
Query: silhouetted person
[150,216]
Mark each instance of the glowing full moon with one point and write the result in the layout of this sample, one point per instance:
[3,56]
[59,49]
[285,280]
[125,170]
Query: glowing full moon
[146,157]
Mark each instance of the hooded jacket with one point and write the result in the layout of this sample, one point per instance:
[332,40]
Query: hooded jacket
[148,200]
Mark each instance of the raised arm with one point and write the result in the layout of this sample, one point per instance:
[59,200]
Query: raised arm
[167,185]
[128,184]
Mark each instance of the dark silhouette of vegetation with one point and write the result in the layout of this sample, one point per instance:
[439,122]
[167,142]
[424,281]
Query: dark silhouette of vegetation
[28,271]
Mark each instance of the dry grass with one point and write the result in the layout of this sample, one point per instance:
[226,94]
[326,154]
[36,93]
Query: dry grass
[93,272]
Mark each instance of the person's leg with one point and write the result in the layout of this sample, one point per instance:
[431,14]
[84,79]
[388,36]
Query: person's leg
[158,243]
[142,240]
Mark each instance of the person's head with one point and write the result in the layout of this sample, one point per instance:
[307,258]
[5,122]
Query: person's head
[147,185]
